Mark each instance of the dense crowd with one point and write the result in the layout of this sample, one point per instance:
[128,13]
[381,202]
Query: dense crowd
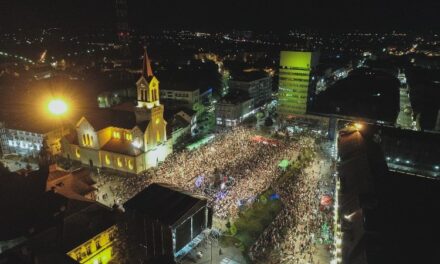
[233,169]
[292,236]
[230,170]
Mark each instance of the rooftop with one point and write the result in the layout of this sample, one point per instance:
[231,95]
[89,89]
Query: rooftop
[165,203]
[249,76]
[236,97]
[101,118]
[178,86]
[388,202]
[121,146]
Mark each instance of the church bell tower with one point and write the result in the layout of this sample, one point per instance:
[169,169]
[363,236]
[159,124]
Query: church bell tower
[148,105]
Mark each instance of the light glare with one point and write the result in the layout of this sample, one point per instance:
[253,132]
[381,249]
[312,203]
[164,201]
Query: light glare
[57,107]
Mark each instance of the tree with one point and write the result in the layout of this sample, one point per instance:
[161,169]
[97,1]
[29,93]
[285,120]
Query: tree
[233,229]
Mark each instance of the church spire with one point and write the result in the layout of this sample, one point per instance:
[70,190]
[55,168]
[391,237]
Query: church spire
[147,71]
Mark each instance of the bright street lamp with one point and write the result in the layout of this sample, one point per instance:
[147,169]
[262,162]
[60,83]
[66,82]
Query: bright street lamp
[358,126]
[57,107]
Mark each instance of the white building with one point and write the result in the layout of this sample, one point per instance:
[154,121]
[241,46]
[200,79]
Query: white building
[26,138]
[257,84]
[183,94]
[233,109]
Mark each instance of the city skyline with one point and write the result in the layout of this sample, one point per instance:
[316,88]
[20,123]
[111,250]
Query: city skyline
[221,132]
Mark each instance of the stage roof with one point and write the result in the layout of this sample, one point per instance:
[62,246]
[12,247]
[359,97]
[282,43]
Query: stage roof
[166,203]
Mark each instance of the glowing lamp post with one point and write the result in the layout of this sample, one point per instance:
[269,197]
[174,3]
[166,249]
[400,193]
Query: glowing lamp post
[358,126]
[57,107]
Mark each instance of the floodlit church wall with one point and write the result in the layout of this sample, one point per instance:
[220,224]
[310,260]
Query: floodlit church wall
[104,135]
[140,163]
[158,154]
[88,155]
[137,138]
[118,162]
[87,136]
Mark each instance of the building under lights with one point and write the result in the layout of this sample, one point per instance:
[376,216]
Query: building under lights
[295,74]
[257,84]
[128,137]
[385,216]
[52,226]
[232,109]
[25,138]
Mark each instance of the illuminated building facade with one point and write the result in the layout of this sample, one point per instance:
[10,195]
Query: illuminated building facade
[294,81]
[129,138]
[25,139]
[232,109]
[98,249]
[257,84]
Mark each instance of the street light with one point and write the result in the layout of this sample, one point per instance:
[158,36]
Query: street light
[57,107]
[358,126]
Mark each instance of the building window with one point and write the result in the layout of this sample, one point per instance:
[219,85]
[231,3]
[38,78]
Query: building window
[116,134]
[119,161]
[88,249]
[77,154]
[128,136]
[87,140]
[130,164]
[107,159]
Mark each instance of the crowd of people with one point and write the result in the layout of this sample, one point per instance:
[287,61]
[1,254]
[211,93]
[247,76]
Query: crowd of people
[293,235]
[234,169]
[231,169]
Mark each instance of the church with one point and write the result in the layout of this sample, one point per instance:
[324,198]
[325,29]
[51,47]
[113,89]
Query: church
[129,138]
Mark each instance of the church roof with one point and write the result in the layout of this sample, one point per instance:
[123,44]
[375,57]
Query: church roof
[147,71]
[123,147]
[102,118]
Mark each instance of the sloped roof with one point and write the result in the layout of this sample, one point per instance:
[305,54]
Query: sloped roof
[121,146]
[166,203]
[85,224]
[102,118]
[147,71]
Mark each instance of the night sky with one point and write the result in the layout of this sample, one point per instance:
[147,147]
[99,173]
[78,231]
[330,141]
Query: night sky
[226,14]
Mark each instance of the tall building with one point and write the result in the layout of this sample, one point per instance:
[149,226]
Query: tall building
[129,138]
[374,203]
[257,84]
[294,81]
